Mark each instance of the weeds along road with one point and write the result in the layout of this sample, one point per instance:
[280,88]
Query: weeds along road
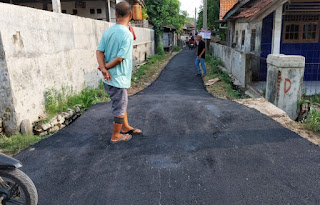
[197,149]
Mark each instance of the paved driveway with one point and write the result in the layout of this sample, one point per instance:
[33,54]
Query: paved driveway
[197,149]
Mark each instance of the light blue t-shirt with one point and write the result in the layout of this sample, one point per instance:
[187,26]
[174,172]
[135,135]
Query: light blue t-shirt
[117,42]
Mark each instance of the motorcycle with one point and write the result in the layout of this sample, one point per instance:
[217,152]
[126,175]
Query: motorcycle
[15,186]
[192,44]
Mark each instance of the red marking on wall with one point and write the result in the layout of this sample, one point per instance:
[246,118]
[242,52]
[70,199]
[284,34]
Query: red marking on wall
[287,85]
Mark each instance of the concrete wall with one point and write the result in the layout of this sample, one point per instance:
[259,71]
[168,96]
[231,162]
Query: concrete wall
[68,7]
[235,61]
[240,26]
[6,99]
[284,82]
[49,50]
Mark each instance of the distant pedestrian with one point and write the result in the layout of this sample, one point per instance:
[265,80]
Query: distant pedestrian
[201,55]
[114,55]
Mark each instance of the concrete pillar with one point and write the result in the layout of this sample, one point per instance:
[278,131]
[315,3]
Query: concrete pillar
[108,12]
[56,6]
[284,82]
[277,27]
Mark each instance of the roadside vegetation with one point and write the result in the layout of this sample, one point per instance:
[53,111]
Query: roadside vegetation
[224,87]
[14,144]
[55,103]
[312,120]
[148,69]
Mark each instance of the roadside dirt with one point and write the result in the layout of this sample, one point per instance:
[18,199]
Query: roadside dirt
[150,76]
[280,116]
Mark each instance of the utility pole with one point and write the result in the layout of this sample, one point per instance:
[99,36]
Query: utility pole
[195,21]
[205,25]
[205,15]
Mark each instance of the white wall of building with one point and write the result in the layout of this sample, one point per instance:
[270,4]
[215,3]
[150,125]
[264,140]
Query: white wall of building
[69,8]
[247,27]
[45,50]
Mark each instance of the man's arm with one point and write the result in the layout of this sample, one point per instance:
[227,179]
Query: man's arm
[202,52]
[102,67]
[113,63]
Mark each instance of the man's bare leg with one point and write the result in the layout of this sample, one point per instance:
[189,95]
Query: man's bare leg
[116,130]
[126,127]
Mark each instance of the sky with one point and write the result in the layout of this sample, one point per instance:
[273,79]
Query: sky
[190,5]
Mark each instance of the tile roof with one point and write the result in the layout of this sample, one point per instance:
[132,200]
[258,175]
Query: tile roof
[254,9]
[225,6]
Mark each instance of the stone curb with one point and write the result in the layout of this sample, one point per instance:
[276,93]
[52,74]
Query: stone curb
[57,122]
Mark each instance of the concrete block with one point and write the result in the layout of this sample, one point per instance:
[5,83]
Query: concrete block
[53,129]
[284,82]
[0,122]
[26,127]
[43,133]
[286,61]
[45,126]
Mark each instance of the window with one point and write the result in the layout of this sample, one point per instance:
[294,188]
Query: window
[74,11]
[243,37]
[99,11]
[301,29]
[64,11]
[92,11]
[253,40]
[292,32]
[309,31]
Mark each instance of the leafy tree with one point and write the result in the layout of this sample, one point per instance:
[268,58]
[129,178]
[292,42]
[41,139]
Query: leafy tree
[213,7]
[165,12]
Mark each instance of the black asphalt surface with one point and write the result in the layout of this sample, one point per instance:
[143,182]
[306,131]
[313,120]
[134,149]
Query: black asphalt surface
[196,149]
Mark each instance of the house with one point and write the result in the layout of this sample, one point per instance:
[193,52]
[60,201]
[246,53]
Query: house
[169,38]
[263,27]
[95,9]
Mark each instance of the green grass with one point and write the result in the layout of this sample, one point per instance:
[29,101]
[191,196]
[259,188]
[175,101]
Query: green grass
[313,119]
[224,88]
[14,144]
[142,71]
[57,102]
[176,48]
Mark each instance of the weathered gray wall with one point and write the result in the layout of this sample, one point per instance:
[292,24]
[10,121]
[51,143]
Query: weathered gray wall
[284,82]
[6,100]
[241,25]
[49,50]
[234,60]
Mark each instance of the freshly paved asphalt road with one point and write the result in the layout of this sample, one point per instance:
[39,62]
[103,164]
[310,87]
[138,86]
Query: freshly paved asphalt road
[196,150]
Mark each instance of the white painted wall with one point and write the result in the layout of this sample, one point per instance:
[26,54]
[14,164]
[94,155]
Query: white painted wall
[234,60]
[46,50]
[247,27]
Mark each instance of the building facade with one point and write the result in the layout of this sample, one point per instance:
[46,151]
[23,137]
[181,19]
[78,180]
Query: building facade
[99,10]
[263,27]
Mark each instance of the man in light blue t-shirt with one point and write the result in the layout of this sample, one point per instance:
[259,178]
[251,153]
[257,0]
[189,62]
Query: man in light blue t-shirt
[114,55]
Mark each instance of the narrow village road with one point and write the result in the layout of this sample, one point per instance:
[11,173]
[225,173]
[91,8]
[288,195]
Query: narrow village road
[197,149]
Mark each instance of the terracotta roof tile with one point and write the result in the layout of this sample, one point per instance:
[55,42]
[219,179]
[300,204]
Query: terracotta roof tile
[225,6]
[254,9]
